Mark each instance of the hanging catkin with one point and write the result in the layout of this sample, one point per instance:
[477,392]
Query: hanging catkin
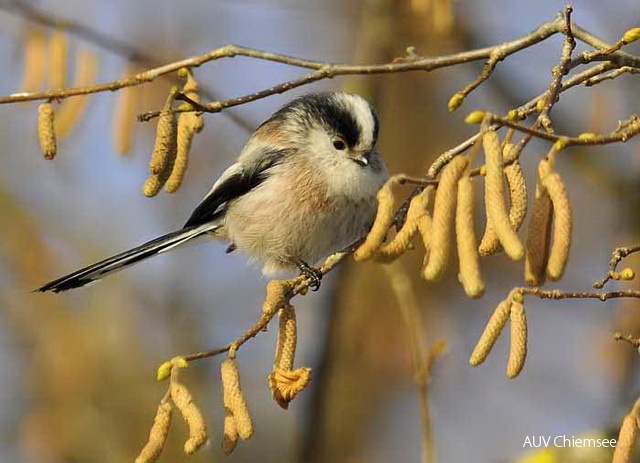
[495,197]
[443,218]
[469,274]
[562,226]
[490,244]
[491,332]
[46,130]
[157,435]
[189,123]
[518,349]
[539,232]
[233,398]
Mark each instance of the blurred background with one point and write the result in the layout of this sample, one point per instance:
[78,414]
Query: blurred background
[77,369]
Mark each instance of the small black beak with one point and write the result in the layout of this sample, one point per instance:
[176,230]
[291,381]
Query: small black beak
[361,159]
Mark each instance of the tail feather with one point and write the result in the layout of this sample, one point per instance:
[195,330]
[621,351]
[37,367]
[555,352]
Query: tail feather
[115,263]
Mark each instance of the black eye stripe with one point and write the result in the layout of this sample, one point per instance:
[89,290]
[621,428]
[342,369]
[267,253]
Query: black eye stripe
[325,108]
[376,126]
[336,117]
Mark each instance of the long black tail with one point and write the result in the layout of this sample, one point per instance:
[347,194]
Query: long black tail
[115,263]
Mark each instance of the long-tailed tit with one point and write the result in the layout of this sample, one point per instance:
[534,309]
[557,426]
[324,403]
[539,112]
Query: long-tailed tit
[304,186]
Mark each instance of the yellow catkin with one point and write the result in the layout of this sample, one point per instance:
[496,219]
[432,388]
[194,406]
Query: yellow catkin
[46,131]
[285,385]
[470,275]
[539,232]
[157,435]
[443,217]
[518,350]
[185,135]
[189,124]
[152,186]
[491,332]
[518,194]
[495,198]
[402,240]
[229,434]
[71,109]
[490,244]
[381,224]
[164,150]
[626,440]
[58,59]
[192,415]
[562,226]
[124,116]
[287,339]
[276,296]
[233,398]
[425,225]
[35,58]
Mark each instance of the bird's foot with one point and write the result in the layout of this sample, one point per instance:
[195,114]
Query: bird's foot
[312,273]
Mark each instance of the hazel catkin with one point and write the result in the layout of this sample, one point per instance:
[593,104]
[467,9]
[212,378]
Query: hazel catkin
[470,275]
[229,434]
[189,123]
[157,435]
[46,130]
[286,384]
[491,332]
[233,398]
[287,339]
[562,226]
[381,224]
[518,348]
[490,244]
[539,232]
[192,415]
[443,218]
[495,197]
[402,240]
[626,441]
[164,150]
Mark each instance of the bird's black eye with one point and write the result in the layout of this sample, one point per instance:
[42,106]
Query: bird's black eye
[339,144]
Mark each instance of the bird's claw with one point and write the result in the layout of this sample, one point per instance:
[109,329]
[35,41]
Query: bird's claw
[312,273]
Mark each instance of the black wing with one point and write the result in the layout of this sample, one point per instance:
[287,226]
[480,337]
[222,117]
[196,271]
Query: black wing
[235,185]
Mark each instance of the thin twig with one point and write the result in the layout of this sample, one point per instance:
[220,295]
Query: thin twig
[616,257]
[322,70]
[558,294]
[632,129]
[634,341]
[559,71]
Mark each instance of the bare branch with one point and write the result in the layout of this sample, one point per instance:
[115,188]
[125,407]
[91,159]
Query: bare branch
[558,294]
[616,257]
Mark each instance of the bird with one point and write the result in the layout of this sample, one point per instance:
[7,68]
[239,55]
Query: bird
[304,186]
